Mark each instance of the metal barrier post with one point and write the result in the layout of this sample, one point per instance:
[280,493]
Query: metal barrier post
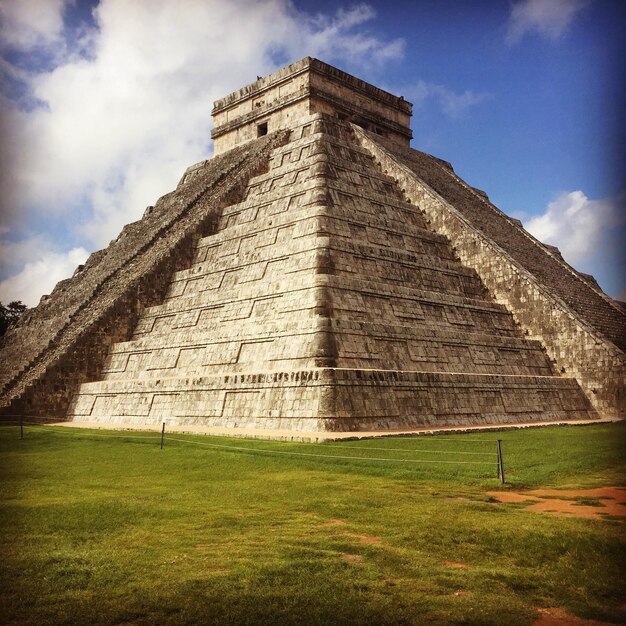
[500,462]
[21,427]
[162,435]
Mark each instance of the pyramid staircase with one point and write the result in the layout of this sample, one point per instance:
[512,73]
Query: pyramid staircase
[326,301]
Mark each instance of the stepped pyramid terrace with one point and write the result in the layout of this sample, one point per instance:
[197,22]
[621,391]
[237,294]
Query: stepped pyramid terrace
[318,274]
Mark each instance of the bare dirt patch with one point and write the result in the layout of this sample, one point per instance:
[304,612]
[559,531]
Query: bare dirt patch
[335,522]
[368,539]
[217,571]
[559,617]
[589,503]
[351,558]
[457,565]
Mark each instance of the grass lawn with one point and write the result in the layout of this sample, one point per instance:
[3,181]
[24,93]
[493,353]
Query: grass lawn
[113,530]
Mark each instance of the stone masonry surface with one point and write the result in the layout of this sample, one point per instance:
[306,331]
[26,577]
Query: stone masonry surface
[582,329]
[323,301]
[64,340]
[319,278]
[303,88]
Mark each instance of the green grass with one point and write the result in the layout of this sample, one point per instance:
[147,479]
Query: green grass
[114,530]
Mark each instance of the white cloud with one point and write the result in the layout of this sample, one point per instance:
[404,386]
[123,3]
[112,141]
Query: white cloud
[15,254]
[33,266]
[330,37]
[117,131]
[578,226]
[29,23]
[453,104]
[548,18]
[117,128]
[40,276]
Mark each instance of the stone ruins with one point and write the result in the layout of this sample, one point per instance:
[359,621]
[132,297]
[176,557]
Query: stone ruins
[318,274]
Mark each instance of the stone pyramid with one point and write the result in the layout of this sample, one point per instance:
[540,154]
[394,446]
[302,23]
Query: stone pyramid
[320,275]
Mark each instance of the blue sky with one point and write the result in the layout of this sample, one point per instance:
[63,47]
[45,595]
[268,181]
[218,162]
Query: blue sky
[104,104]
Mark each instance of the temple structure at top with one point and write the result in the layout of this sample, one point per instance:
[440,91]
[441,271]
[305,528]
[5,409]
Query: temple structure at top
[320,275]
[309,86]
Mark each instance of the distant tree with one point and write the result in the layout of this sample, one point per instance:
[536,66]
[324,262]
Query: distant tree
[10,313]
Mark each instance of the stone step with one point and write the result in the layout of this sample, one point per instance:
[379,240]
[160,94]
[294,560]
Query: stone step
[305,254]
[279,347]
[387,256]
[343,399]
[352,298]
[193,332]
[344,331]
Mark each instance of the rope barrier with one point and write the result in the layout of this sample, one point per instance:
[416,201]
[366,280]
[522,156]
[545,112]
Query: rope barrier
[70,431]
[434,437]
[66,431]
[332,445]
[325,445]
[323,456]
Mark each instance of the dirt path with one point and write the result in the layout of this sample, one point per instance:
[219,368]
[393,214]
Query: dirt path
[589,503]
[559,617]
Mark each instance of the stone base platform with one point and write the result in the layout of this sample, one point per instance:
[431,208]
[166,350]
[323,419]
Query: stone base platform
[319,437]
[334,400]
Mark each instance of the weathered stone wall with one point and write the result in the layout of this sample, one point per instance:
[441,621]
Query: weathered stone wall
[290,110]
[324,300]
[374,400]
[333,399]
[294,283]
[579,348]
[59,344]
[306,87]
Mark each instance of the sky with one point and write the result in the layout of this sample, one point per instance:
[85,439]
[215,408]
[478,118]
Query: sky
[105,103]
